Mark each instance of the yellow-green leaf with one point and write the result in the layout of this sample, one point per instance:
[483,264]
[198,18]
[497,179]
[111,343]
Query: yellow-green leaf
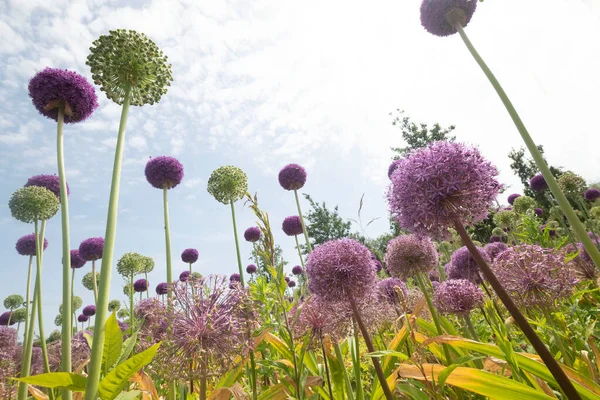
[113,343]
[57,380]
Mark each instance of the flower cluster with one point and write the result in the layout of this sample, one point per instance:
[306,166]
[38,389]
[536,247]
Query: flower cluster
[252,234]
[26,245]
[164,172]
[292,225]
[76,260]
[91,249]
[434,15]
[457,296]
[227,184]
[409,255]
[292,177]
[189,256]
[33,203]
[463,265]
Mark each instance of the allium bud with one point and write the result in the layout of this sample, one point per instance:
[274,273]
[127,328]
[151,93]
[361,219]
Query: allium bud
[141,285]
[91,249]
[538,183]
[292,225]
[512,198]
[189,256]
[26,245]
[592,194]
[251,269]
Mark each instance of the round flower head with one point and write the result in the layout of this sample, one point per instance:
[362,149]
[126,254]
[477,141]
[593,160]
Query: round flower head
[164,172]
[251,269]
[227,184]
[76,260]
[493,249]
[538,183]
[13,301]
[88,281]
[50,182]
[538,211]
[388,290]
[592,194]
[287,279]
[534,276]
[189,256]
[91,249]
[51,86]
[26,245]
[572,185]
[434,12]
[339,270]
[114,305]
[134,263]
[464,266]
[297,270]
[89,311]
[82,318]
[184,276]
[441,184]
[33,203]
[4,317]
[292,226]
[457,296]
[580,261]
[125,58]
[162,288]
[76,303]
[252,234]
[393,167]
[292,177]
[522,204]
[505,218]
[235,277]
[512,198]
[141,285]
[495,239]
[409,255]
[291,284]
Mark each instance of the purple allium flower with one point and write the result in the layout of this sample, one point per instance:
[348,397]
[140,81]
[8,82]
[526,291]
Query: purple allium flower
[377,265]
[50,86]
[251,269]
[141,285]
[91,249]
[287,279]
[409,255]
[434,275]
[164,172]
[123,325]
[4,317]
[495,239]
[292,177]
[252,234]
[464,266]
[512,198]
[89,311]
[539,212]
[8,340]
[581,264]
[538,183]
[189,256]
[291,284]
[162,288]
[434,12]
[340,270]
[297,270]
[534,276]
[592,194]
[393,167]
[292,226]
[457,296]
[388,292]
[319,318]
[49,182]
[493,249]
[82,318]
[76,260]
[235,277]
[184,276]
[153,312]
[440,184]
[26,245]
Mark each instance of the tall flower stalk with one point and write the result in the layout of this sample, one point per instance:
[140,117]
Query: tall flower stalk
[293,177]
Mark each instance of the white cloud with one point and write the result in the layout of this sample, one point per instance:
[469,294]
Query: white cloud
[192,183]
[138,142]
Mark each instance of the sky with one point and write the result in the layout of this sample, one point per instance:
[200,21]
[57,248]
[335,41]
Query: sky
[260,84]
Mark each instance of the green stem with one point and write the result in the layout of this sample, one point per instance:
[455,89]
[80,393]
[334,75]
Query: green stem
[28,347]
[559,342]
[95,282]
[131,312]
[253,379]
[356,365]
[326,364]
[299,252]
[72,294]
[38,288]
[340,357]
[470,327]
[237,244]
[27,299]
[94,367]
[308,246]
[167,237]
[562,200]
[147,285]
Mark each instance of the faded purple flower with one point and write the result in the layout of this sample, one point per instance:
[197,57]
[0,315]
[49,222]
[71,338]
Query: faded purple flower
[89,311]
[592,194]
[82,318]
[292,284]
[393,167]
[495,239]
[141,285]
[189,256]
[292,226]
[252,234]
[235,277]
[184,276]
[164,172]
[319,318]
[409,255]
[123,326]
[512,198]
[463,265]
[26,245]
[539,212]
[538,183]
[8,340]
[292,177]
[388,290]
[162,288]
[433,15]
[76,260]
[4,317]
[251,269]
[297,270]
[457,296]
[493,249]
[91,249]
[581,264]
[49,182]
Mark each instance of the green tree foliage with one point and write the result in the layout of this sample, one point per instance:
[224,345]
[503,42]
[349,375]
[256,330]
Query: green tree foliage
[324,224]
[418,135]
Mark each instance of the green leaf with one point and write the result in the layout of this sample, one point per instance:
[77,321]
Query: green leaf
[88,338]
[127,348]
[113,343]
[391,353]
[412,391]
[132,394]
[458,362]
[115,381]
[57,380]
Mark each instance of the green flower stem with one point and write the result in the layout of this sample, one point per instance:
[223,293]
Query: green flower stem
[94,367]
[562,200]
[147,285]
[360,395]
[167,237]
[72,294]
[253,379]
[299,252]
[38,288]
[326,364]
[27,299]
[237,244]
[340,358]
[308,246]
[470,327]
[95,282]
[534,339]
[131,313]
[28,349]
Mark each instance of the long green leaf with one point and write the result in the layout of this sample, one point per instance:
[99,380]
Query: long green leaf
[127,348]
[57,380]
[113,343]
[130,395]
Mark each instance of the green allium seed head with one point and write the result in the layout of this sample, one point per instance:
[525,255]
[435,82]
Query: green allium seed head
[114,305]
[123,313]
[593,225]
[555,213]
[133,264]
[87,280]
[196,276]
[54,336]
[477,243]
[497,231]
[33,203]
[595,212]
[128,288]
[445,246]
[126,58]
[76,302]
[58,320]
[13,301]
[228,184]
[19,315]
[505,218]
[524,203]
[572,185]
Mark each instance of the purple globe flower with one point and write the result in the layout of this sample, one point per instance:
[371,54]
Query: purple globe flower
[26,245]
[292,177]
[123,325]
[189,256]
[457,296]
[291,284]
[89,311]
[287,279]
[409,255]
[434,12]
[51,86]
[512,198]
[592,194]
[164,172]
[184,276]
[463,265]
[235,278]
[393,167]
[493,249]
[539,212]
[297,270]
[387,289]
[76,260]
[340,270]
[162,288]
[141,285]
[91,249]
[49,182]
[495,239]
[252,234]
[292,226]
[440,185]
[581,264]
[538,183]
[4,317]
[251,269]
[82,318]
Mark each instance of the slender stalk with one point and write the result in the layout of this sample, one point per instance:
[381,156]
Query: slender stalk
[562,200]
[360,395]
[95,282]
[470,327]
[299,252]
[326,363]
[94,367]
[203,373]
[371,348]
[308,246]
[131,312]
[539,346]
[340,357]
[167,237]
[237,244]
[27,299]
[72,294]
[253,375]
[147,285]
[38,288]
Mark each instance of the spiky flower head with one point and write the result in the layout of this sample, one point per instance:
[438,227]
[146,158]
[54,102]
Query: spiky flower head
[89,311]
[26,245]
[252,234]
[297,270]
[434,15]
[538,183]
[114,305]
[76,303]
[127,59]
[123,313]
[592,194]
[505,218]
[76,260]
[292,177]
[134,263]
[141,285]
[164,172]
[184,276]
[457,296]
[512,198]
[580,262]
[409,255]
[572,185]
[13,301]
[534,276]
[393,167]
[33,203]
[522,204]
[50,182]
[189,256]
[162,288]
[82,318]
[51,86]
[319,318]
[251,268]
[227,184]
[8,339]
[88,281]
[91,249]
[493,249]
[439,185]
[463,265]
[292,225]
[340,270]
[392,290]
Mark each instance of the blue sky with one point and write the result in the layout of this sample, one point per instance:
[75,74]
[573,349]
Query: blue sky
[259,84]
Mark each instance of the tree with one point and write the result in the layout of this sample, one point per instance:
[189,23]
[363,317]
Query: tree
[419,135]
[323,224]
